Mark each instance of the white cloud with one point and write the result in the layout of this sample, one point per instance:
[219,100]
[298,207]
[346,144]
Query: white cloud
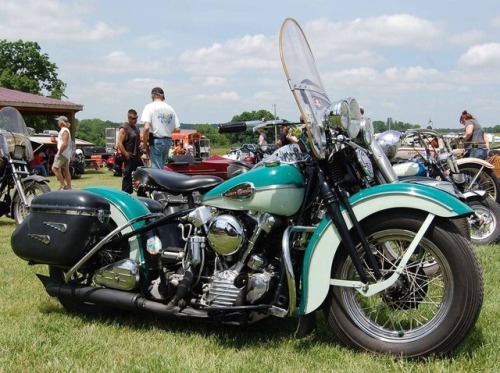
[246,53]
[485,55]
[387,31]
[52,20]
[226,96]
[119,62]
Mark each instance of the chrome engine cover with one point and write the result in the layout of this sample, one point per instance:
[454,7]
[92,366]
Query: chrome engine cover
[226,235]
[222,292]
[122,275]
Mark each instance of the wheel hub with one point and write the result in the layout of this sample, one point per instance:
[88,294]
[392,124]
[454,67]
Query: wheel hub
[407,292]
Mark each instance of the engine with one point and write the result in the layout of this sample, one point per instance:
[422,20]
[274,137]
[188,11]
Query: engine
[217,259]
[227,255]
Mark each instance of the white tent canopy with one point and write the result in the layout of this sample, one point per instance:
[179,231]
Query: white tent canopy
[45,140]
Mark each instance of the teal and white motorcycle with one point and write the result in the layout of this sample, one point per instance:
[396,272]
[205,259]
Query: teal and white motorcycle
[386,264]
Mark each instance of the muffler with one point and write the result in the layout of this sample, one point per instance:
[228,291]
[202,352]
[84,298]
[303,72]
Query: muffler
[113,298]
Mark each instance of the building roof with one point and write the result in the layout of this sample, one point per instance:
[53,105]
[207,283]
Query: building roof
[28,103]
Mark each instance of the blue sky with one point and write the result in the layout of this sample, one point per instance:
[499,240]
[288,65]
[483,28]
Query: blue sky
[411,61]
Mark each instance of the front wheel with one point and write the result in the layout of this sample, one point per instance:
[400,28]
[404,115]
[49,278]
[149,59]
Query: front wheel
[431,307]
[19,209]
[481,178]
[485,222]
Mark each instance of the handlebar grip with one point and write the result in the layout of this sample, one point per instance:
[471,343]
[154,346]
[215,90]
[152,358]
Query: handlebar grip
[232,127]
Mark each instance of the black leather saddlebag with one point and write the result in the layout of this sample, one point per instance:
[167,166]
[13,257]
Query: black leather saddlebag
[60,226]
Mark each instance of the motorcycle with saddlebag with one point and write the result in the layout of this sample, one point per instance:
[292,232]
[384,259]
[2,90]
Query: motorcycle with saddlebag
[386,265]
[18,186]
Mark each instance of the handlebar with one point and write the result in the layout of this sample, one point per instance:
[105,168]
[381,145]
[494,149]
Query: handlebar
[235,127]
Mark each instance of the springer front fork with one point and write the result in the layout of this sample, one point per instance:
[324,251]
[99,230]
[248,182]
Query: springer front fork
[332,199]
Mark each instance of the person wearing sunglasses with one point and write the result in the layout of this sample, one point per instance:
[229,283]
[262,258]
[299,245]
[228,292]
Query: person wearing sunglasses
[129,142]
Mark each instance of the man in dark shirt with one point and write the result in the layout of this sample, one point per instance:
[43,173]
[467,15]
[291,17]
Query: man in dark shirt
[129,142]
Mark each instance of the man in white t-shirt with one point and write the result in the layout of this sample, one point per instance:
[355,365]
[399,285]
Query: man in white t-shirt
[160,121]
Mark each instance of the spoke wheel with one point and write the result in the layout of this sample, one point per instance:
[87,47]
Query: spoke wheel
[429,309]
[20,210]
[485,223]
[477,179]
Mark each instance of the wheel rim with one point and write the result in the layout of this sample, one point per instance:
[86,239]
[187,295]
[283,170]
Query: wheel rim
[416,304]
[20,209]
[483,182]
[483,225]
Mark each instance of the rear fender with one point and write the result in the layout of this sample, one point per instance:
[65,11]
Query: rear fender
[125,207]
[325,241]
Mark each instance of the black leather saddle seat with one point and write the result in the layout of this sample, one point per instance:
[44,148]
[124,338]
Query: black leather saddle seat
[176,183]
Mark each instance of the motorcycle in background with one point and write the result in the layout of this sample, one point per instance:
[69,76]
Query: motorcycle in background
[115,163]
[18,186]
[385,264]
[479,174]
[77,164]
[422,156]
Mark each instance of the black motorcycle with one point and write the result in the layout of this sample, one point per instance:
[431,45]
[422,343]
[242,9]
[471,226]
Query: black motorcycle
[77,165]
[18,186]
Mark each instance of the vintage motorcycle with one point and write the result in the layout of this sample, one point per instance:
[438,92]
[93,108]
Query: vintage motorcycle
[432,160]
[18,186]
[479,174]
[386,265]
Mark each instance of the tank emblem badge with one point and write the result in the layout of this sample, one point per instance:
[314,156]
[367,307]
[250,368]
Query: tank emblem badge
[241,191]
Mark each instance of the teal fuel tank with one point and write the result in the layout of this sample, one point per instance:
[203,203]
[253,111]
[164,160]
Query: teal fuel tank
[277,189]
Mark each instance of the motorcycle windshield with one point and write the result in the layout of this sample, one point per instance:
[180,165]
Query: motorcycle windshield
[14,133]
[304,81]
[12,121]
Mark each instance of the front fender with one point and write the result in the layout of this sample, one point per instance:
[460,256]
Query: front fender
[325,241]
[35,179]
[478,161]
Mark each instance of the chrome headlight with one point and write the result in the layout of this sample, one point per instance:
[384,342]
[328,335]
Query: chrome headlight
[367,130]
[390,142]
[337,115]
[18,152]
[355,115]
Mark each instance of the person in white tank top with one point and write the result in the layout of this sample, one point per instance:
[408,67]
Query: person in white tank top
[60,167]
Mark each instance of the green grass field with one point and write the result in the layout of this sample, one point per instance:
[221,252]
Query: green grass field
[38,335]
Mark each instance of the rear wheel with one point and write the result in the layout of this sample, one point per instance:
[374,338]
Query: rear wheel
[432,306]
[20,210]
